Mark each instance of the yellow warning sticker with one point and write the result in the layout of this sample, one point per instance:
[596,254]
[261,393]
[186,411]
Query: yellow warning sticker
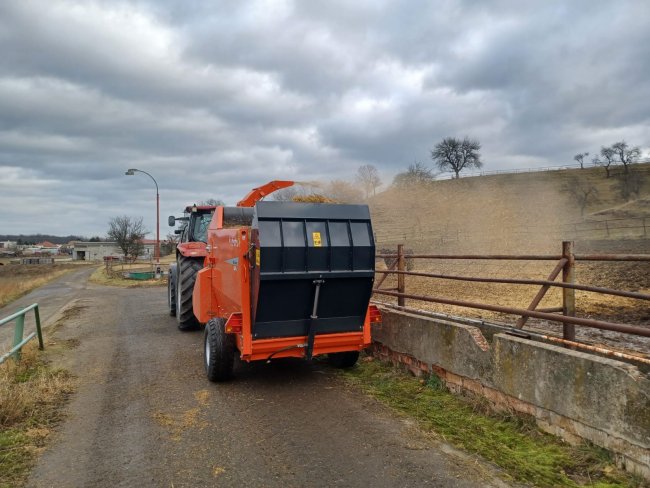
[257,257]
[316,237]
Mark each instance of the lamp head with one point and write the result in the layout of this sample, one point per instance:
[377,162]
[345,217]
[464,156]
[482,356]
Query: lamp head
[130,172]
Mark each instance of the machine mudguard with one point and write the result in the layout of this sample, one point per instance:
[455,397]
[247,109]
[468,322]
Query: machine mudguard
[202,296]
[192,249]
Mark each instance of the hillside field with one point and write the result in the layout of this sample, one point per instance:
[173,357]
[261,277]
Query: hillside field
[520,214]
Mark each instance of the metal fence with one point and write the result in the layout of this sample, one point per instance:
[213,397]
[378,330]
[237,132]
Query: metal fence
[19,330]
[564,267]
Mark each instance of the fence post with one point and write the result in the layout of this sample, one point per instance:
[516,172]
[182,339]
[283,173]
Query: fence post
[39,332]
[401,278]
[18,334]
[568,294]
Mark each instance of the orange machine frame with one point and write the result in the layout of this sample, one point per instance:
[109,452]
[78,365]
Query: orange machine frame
[223,289]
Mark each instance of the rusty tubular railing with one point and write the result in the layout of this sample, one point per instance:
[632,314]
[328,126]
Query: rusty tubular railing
[503,257]
[521,281]
[596,324]
[565,265]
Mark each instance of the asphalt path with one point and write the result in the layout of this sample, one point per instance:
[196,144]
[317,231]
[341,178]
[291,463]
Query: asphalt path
[52,299]
[144,414]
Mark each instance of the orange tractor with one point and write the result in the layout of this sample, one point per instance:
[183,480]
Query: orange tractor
[285,279]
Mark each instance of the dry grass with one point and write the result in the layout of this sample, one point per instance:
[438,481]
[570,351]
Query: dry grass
[511,442]
[17,279]
[501,213]
[170,258]
[31,394]
[519,214]
[102,276]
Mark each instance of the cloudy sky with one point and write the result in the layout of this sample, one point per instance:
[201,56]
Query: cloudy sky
[216,97]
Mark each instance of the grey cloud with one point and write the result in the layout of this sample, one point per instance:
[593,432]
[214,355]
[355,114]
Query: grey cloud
[215,98]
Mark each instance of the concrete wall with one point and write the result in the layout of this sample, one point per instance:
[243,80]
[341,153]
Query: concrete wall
[571,394]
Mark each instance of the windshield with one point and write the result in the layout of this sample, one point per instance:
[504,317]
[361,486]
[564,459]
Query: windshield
[200,228]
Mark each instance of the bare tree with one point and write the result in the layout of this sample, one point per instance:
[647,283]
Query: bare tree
[582,192]
[169,244]
[626,155]
[609,158]
[580,158]
[212,202]
[416,174]
[128,233]
[368,178]
[630,184]
[452,154]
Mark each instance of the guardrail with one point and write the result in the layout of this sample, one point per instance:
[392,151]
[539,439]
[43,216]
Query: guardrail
[565,266]
[19,330]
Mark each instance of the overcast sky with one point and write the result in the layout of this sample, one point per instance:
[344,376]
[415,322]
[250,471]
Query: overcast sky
[214,98]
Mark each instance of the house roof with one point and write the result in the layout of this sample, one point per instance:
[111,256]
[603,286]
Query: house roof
[47,244]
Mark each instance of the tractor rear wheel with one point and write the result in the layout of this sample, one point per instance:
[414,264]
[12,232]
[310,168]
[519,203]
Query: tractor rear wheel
[185,277]
[171,293]
[219,350]
[343,360]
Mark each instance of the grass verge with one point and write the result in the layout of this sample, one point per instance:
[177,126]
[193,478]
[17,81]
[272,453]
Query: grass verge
[101,277]
[15,285]
[31,394]
[511,442]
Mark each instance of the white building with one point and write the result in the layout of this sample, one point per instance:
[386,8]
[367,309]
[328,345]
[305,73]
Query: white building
[97,251]
[94,251]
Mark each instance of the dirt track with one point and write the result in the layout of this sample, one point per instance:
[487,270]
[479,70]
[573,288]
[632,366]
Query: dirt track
[145,415]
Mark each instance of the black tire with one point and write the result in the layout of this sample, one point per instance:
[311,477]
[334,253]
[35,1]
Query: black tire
[218,351]
[343,360]
[171,292]
[186,270]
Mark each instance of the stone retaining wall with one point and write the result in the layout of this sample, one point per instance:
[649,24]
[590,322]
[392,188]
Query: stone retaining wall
[571,394]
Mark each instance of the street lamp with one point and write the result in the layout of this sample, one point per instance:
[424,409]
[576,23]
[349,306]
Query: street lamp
[156,251]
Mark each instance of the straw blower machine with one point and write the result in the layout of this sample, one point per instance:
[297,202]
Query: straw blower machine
[285,279]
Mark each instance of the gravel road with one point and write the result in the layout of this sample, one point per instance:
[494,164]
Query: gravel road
[145,415]
[52,298]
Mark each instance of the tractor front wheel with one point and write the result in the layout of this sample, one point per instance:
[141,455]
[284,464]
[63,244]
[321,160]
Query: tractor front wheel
[219,350]
[186,270]
[343,360]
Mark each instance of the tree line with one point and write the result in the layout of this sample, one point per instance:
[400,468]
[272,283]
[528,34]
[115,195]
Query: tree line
[628,183]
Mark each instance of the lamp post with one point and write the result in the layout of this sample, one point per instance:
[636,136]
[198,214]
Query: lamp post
[156,251]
